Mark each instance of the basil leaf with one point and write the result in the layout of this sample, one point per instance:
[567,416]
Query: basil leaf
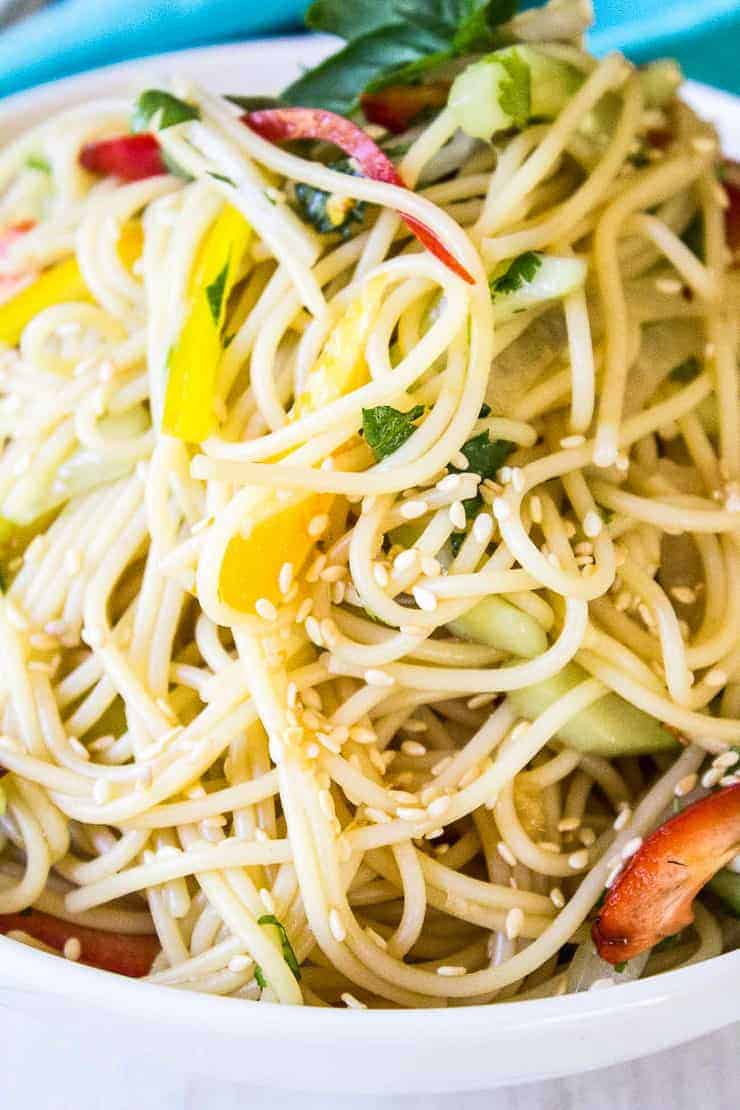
[686,371]
[288,954]
[476,29]
[215,293]
[469,20]
[386,429]
[485,455]
[255,103]
[171,110]
[326,212]
[38,162]
[518,273]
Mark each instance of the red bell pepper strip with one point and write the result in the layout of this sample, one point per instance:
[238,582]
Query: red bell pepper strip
[13,283]
[397,106]
[652,897]
[122,953]
[286,124]
[731,183]
[130,157]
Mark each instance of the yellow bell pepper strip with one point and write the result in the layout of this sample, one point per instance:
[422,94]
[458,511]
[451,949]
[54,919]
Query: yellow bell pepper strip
[58,284]
[276,532]
[194,359]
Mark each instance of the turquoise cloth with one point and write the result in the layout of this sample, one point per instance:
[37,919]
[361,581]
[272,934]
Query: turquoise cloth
[73,35]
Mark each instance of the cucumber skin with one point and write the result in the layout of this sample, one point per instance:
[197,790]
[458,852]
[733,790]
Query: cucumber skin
[610,727]
[500,624]
[726,885]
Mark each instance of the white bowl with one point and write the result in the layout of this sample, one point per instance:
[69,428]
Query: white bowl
[89,1013]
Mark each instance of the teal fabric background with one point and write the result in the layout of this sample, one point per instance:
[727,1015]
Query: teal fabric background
[73,35]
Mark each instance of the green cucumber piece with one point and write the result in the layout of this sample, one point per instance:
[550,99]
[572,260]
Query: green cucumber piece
[726,885]
[501,625]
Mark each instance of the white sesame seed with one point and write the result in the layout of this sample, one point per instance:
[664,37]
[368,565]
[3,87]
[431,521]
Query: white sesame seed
[450,971]
[501,509]
[336,927]
[265,609]
[239,963]
[579,859]
[592,524]
[72,949]
[405,561]
[411,813]
[375,677]
[439,807]
[506,853]
[568,824]
[711,778]
[569,442]
[413,748]
[513,923]
[668,286]
[483,527]
[285,578]
[631,847]
[725,760]
[557,897]
[430,566]
[457,515]
[425,599]
[410,510]
[351,1002]
[479,700]
[380,574]
[460,461]
[304,609]
[318,524]
[313,631]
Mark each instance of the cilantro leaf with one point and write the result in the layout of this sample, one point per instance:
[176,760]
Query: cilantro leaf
[518,273]
[619,968]
[215,293]
[515,92]
[288,953]
[38,162]
[171,110]
[386,429]
[485,455]
[686,371]
[327,212]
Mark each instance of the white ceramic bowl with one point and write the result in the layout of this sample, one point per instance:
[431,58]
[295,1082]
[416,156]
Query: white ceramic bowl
[89,1013]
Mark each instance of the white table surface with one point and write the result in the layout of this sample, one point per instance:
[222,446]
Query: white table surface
[704,1075]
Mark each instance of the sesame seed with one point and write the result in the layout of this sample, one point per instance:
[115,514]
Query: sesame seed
[457,515]
[592,524]
[557,897]
[336,927]
[569,442]
[380,574]
[313,630]
[506,853]
[725,760]
[265,609]
[334,573]
[425,599]
[483,527]
[578,859]
[285,578]
[568,824]
[318,524]
[711,778]
[375,677]
[72,949]
[631,847]
[460,461]
[479,700]
[450,971]
[413,748]
[514,922]
[668,286]
[239,963]
[412,725]
[501,509]
[439,807]
[351,1002]
[304,609]
[410,510]
[548,846]
[405,561]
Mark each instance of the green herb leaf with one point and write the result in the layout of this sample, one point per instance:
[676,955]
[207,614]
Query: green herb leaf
[326,212]
[221,177]
[518,273]
[215,293]
[476,29]
[619,968]
[386,429]
[668,942]
[693,236]
[456,541]
[485,410]
[260,977]
[515,93]
[485,455]
[686,371]
[288,954]
[38,162]
[171,110]
[256,103]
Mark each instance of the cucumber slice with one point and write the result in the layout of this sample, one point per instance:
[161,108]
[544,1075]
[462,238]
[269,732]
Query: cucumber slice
[726,885]
[510,87]
[533,278]
[610,727]
[501,625]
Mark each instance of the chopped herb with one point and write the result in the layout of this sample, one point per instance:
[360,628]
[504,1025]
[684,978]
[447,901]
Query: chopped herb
[485,410]
[170,110]
[392,42]
[221,177]
[255,103]
[458,538]
[328,212]
[485,455]
[386,429]
[260,977]
[693,236]
[619,968]
[686,371]
[519,272]
[215,293]
[3,583]
[38,162]
[515,92]
[640,157]
[288,954]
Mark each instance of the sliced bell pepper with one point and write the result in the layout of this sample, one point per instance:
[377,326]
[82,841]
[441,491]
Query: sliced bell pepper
[397,106]
[194,359]
[130,157]
[122,953]
[277,532]
[57,284]
[652,897]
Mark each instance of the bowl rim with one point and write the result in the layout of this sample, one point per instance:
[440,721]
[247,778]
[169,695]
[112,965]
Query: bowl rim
[25,969]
